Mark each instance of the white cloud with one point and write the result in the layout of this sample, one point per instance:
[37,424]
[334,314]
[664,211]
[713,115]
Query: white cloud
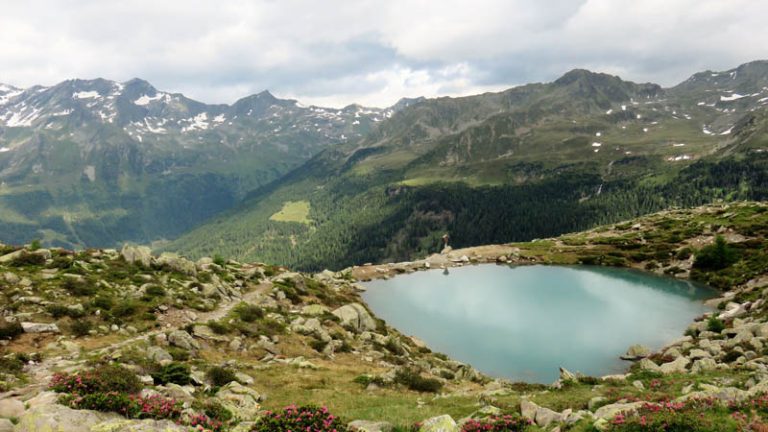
[337,52]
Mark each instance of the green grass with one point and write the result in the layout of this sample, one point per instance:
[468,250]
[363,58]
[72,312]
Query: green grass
[293,211]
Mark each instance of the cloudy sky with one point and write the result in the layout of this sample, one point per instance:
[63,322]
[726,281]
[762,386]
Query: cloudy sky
[335,52]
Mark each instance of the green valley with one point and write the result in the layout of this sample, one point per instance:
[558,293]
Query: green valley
[533,161]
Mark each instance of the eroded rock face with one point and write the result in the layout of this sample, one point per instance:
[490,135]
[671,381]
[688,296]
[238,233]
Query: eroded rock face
[356,317]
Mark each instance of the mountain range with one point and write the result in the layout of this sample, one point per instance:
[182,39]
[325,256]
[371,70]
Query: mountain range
[98,163]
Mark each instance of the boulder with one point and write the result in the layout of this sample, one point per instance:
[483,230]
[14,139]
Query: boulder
[59,418]
[30,327]
[182,339]
[11,256]
[703,365]
[636,352]
[443,423]
[726,394]
[566,375]
[125,425]
[241,400]
[649,365]
[355,316]
[137,255]
[697,353]
[206,333]
[314,309]
[369,426]
[180,393]
[11,408]
[158,354]
[177,263]
[11,278]
[676,366]
[6,425]
[540,415]
[595,402]
[608,412]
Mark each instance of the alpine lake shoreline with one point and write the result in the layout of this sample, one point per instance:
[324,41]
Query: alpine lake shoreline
[288,337]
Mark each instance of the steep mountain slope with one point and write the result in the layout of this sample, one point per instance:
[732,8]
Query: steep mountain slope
[96,162]
[533,161]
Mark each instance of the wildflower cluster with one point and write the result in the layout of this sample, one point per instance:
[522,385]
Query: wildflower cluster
[304,418]
[705,415]
[131,406]
[202,422]
[109,378]
[505,423]
[113,389]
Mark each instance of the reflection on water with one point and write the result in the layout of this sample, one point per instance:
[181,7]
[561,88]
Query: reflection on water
[524,322]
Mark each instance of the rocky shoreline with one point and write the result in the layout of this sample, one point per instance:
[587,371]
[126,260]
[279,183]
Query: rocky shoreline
[266,325]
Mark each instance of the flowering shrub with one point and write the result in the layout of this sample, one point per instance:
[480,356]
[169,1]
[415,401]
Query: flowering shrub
[511,423]
[103,379]
[131,406]
[107,402]
[305,418]
[701,415]
[156,407]
[203,422]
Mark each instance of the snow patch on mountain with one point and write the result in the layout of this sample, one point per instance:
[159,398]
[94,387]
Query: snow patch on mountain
[198,122]
[732,97]
[146,100]
[86,95]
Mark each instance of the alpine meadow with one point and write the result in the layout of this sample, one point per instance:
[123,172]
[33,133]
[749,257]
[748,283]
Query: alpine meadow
[486,216]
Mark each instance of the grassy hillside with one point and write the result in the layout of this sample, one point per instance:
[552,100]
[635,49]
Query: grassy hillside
[232,340]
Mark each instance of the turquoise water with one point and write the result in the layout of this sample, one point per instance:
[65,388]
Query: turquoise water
[524,322]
